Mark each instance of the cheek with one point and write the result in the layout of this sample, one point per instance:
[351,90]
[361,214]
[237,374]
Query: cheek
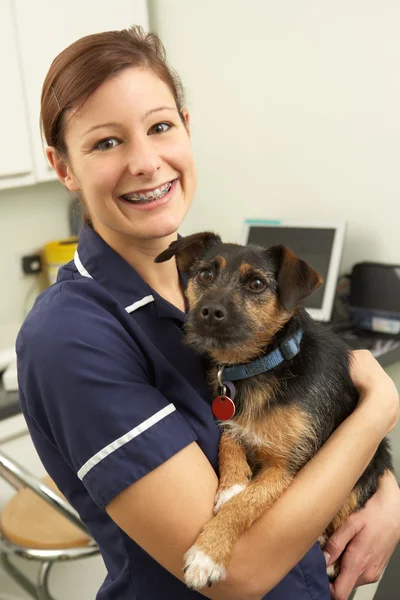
[181,157]
[102,176]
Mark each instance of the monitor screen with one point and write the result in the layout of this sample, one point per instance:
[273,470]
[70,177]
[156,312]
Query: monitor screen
[312,245]
[319,243]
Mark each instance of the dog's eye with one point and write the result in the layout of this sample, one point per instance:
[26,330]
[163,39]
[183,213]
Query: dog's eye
[205,276]
[257,285]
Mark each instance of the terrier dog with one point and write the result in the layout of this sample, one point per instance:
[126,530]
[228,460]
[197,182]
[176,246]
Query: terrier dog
[289,377]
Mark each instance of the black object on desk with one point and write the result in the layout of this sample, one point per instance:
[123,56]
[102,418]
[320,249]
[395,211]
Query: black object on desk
[9,403]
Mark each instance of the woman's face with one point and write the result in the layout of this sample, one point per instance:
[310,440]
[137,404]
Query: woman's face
[129,155]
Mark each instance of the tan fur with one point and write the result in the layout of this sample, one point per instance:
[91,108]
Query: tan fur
[266,320]
[233,466]
[246,270]
[350,506]
[191,294]
[282,433]
[221,260]
[220,535]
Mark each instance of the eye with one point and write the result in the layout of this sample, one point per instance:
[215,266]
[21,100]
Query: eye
[256,285]
[160,128]
[205,276]
[106,144]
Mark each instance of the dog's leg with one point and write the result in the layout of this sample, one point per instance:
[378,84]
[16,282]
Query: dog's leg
[234,470]
[206,561]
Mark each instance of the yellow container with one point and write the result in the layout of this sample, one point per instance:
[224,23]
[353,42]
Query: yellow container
[56,254]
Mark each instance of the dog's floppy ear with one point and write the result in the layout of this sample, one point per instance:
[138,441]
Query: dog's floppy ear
[189,249]
[296,279]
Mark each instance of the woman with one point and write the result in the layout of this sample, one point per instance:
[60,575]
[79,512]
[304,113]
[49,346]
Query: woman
[117,406]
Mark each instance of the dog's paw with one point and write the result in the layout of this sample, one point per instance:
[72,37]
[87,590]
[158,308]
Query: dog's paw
[333,571]
[200,570]
[225,494]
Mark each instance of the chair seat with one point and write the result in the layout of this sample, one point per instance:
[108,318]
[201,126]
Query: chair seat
[28,521]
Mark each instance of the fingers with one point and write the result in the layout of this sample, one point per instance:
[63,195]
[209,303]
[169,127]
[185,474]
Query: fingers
[353,565]
[366,372]
[338,541]
[371,575]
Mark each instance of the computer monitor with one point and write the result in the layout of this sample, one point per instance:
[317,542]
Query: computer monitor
[320,244]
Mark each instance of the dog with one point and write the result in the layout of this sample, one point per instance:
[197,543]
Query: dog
[289,377]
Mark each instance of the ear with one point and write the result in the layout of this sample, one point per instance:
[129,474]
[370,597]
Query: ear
[62,169]
[189,249]
[186,118]
[296,279]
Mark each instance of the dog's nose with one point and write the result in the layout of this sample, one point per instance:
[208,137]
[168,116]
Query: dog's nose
[213,314]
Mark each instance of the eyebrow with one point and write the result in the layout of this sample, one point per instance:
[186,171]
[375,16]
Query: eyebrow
[147,114]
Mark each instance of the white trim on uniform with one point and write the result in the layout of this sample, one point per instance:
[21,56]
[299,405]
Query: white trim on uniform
[80,266]
[139,303]
[85,273]
[127,437]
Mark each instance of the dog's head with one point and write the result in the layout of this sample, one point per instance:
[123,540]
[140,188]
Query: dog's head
[239,296]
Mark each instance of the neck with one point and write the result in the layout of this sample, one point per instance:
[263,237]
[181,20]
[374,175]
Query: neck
[300,320]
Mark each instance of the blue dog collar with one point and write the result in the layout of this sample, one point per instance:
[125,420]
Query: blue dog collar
[286,351]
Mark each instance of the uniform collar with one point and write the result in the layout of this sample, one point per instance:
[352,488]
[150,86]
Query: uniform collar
[95,259]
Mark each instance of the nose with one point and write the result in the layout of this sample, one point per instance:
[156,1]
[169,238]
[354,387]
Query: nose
[144,160]
[213,313]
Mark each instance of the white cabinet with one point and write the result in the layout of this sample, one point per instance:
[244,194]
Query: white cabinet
[32,34]
[15,152]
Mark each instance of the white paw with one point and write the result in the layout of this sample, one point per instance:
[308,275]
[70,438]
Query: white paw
[224,495]
[200,570]
[331,571]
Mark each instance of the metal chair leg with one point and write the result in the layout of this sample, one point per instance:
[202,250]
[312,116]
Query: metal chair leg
[43,581]
[19,577]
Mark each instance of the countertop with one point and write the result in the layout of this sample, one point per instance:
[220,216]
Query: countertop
[9,405]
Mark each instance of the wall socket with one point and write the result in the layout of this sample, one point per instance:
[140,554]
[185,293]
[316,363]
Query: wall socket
[31,264]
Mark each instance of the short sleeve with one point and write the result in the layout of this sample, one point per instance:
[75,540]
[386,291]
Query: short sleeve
[85,383]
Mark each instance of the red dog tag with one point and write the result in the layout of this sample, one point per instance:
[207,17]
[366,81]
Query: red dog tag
[223,408]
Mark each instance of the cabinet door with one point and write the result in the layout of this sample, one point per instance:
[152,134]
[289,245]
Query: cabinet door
[15,152]
[45,28]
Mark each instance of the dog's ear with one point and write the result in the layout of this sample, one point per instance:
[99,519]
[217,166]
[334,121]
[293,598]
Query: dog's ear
[296,279]
[189,249]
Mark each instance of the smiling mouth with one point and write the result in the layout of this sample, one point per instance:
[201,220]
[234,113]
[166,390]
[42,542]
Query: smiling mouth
[150,196]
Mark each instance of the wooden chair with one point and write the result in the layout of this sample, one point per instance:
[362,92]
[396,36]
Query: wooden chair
[39,525]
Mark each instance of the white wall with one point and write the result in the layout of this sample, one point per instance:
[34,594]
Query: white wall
[296,113]
[29,217]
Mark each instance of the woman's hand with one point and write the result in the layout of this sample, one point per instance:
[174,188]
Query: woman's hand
[366,540]
[377,391]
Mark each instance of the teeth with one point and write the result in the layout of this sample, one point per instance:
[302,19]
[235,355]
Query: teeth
[148,196]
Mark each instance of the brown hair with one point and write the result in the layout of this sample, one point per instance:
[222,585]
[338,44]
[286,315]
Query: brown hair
[84,65]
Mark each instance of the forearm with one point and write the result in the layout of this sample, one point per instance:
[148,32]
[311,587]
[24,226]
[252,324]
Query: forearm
[279,539]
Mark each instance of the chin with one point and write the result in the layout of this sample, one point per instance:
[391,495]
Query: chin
[167,226]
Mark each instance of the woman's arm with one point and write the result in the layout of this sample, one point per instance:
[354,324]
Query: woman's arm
[165,511]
